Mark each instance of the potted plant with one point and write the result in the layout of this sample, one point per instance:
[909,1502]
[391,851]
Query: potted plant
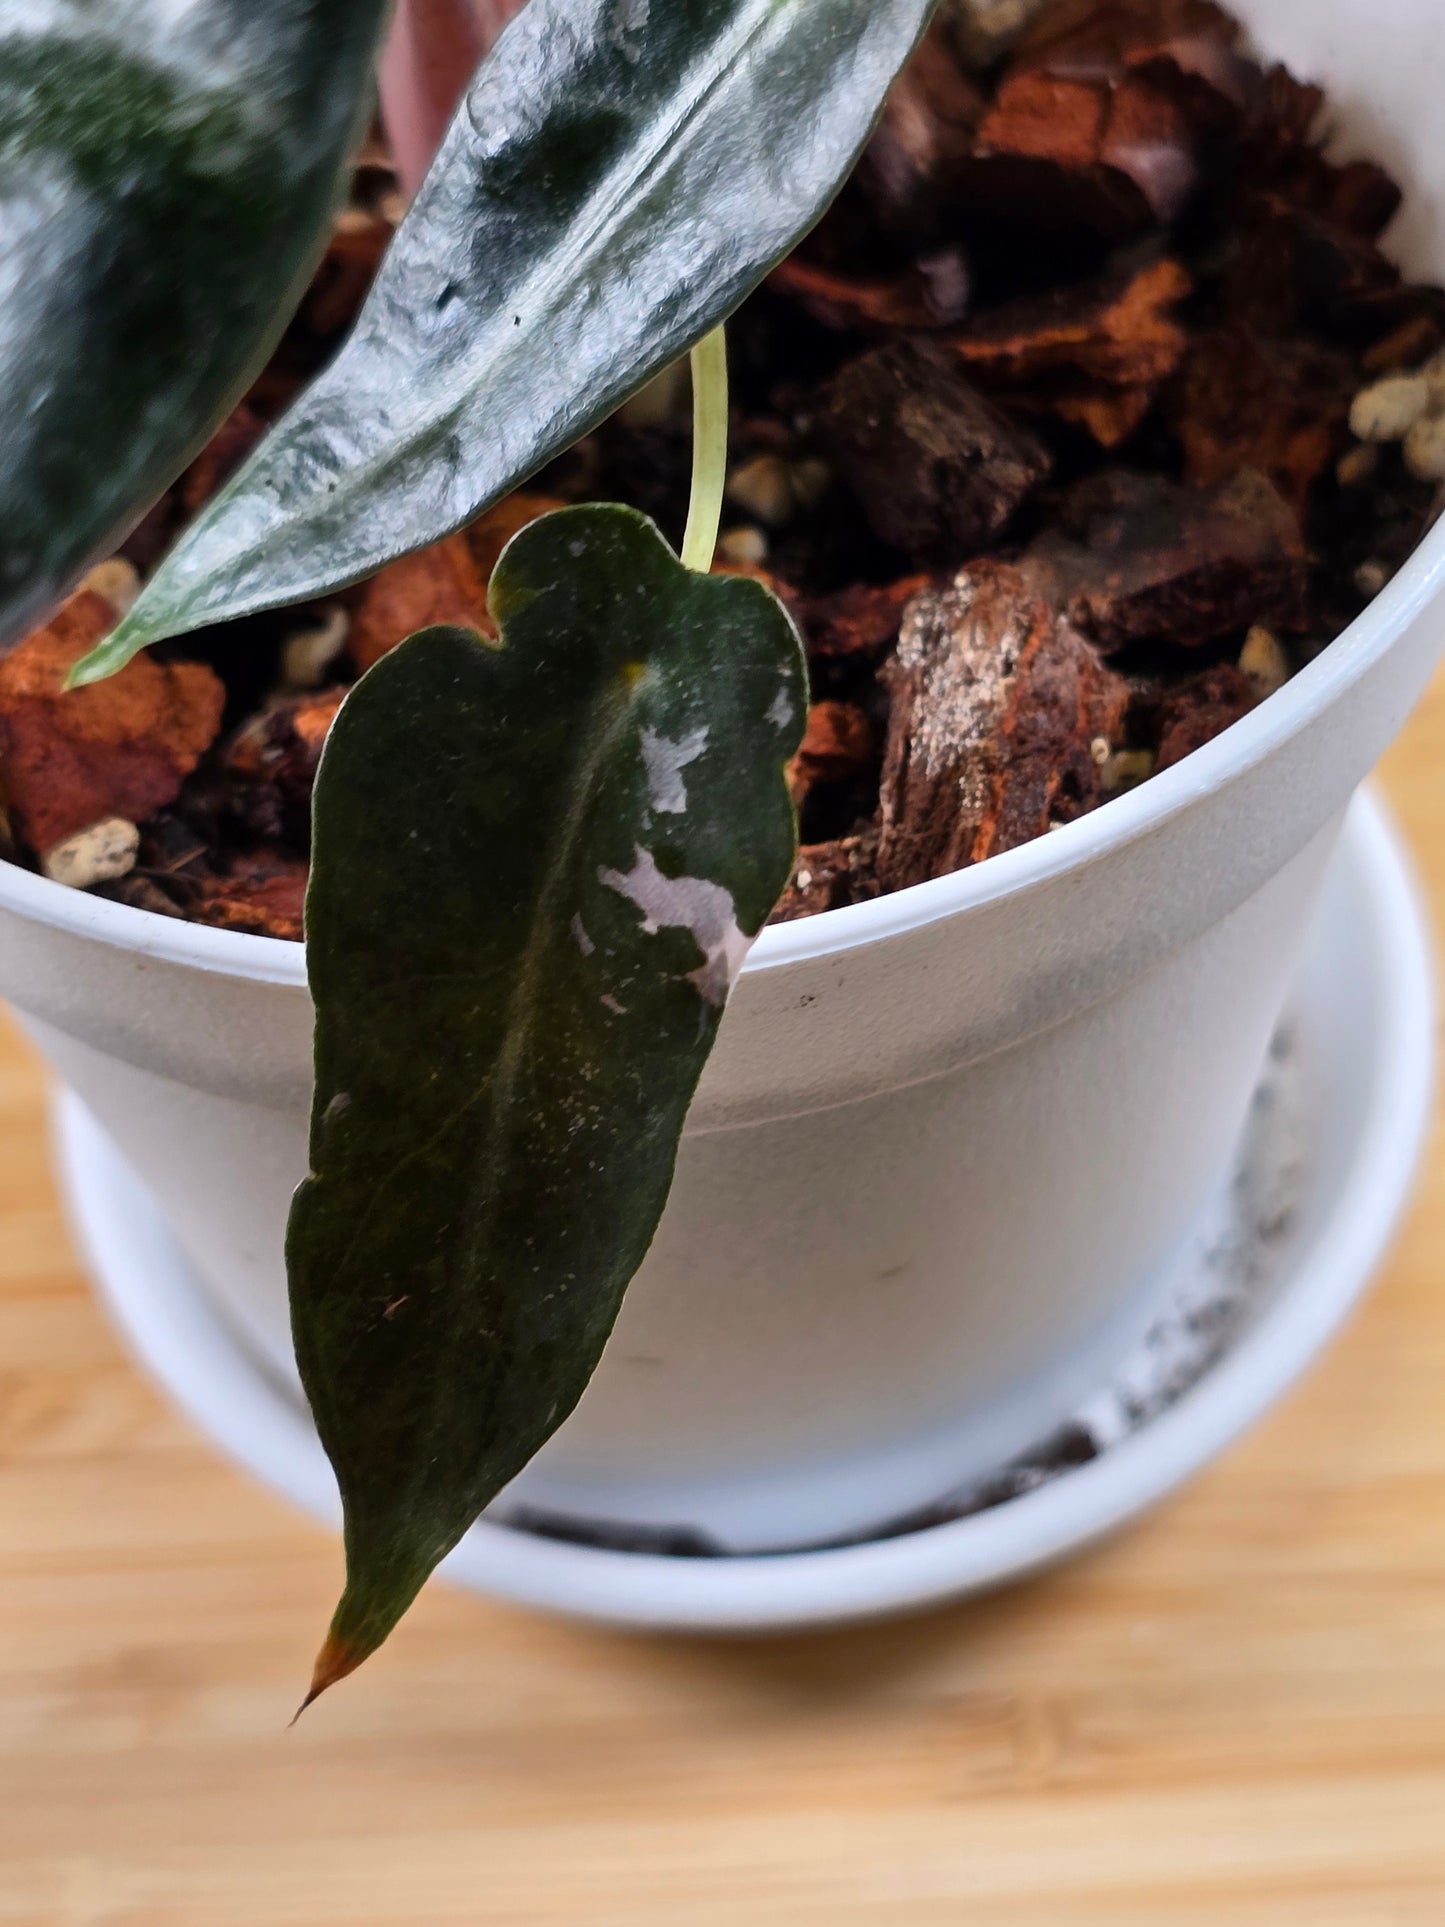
[949,1138]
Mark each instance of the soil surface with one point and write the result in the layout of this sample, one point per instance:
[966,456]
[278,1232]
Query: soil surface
[1092,412]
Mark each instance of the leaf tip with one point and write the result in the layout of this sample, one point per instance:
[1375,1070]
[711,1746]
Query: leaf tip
[133,633]
[90,668]
[337,1658]
[107,658]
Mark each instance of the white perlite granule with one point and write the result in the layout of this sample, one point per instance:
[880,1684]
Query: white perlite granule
[103,852]
[982,31]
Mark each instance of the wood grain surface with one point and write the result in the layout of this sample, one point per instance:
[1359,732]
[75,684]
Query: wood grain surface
[1234,1712]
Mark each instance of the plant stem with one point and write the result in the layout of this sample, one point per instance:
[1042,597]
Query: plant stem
[709,450]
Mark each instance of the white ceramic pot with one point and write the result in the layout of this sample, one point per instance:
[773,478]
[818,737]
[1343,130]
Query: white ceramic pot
[949,1142]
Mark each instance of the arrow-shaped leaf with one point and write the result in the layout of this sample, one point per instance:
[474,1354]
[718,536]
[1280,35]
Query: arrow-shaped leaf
[621,174]
[167,174]
[537,867]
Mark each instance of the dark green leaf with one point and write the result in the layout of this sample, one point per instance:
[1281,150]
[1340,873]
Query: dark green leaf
[621,175]
[536,867]
[167,175]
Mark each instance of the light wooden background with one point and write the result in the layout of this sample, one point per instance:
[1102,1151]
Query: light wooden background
[1233,1713]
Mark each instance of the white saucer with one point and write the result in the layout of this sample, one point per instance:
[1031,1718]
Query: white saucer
[1361,1045]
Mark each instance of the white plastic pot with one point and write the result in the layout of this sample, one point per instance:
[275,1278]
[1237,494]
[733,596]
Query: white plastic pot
[949,1142]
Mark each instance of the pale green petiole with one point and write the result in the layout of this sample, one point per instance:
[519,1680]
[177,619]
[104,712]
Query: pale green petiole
[709,450]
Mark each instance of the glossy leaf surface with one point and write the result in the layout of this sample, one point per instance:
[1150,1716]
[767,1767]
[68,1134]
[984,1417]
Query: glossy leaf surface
[168,171]
[620,175]
[537,867]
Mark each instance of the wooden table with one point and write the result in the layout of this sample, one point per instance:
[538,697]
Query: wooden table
[1233,1713]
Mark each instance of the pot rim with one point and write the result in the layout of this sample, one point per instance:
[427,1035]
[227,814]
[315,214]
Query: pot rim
[1071,848]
